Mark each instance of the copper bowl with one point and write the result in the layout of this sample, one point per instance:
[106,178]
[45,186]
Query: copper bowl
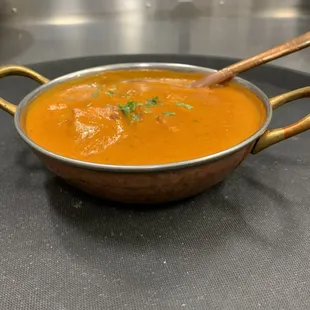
[153,183]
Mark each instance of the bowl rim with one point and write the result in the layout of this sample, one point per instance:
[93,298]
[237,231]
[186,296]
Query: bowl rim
[26,101]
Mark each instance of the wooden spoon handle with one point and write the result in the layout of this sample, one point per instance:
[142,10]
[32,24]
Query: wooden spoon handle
[278,51]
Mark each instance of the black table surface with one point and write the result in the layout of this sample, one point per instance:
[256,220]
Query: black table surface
[244,244]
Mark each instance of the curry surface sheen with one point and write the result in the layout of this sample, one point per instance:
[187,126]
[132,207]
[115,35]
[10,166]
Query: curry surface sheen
[101,119]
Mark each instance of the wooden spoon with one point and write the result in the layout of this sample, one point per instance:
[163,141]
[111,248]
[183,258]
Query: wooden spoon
[278,51]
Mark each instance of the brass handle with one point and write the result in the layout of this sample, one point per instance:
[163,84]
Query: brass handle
[22,71]
[274,136]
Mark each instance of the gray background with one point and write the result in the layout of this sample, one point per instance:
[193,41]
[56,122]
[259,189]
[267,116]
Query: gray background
[40,30]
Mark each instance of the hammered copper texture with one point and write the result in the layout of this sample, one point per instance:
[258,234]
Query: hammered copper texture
[156,187]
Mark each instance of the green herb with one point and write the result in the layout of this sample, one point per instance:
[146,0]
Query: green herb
[129,110]
[169,113]
[110,93]
[184,105]
[135,116]
[70,98]
[128,107]
[96,94]
[147,111]
[152,102]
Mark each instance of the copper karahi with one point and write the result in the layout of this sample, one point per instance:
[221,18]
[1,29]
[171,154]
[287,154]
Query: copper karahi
[153,183]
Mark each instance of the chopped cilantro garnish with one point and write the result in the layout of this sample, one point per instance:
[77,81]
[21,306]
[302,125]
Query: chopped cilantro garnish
[110,93]
[152,102]
[135,116]
[169,113]
[96,94]
[184,105]
[129,109]
[147,111]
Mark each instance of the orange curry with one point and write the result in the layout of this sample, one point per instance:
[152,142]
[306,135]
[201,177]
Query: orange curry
[103,119]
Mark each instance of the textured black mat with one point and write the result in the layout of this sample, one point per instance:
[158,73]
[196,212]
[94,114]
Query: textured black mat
[245,244]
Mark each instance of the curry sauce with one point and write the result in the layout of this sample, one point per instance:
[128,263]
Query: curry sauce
[103,119]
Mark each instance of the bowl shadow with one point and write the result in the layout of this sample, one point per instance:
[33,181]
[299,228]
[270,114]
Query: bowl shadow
[224,212]
[194,221]
[95,232]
